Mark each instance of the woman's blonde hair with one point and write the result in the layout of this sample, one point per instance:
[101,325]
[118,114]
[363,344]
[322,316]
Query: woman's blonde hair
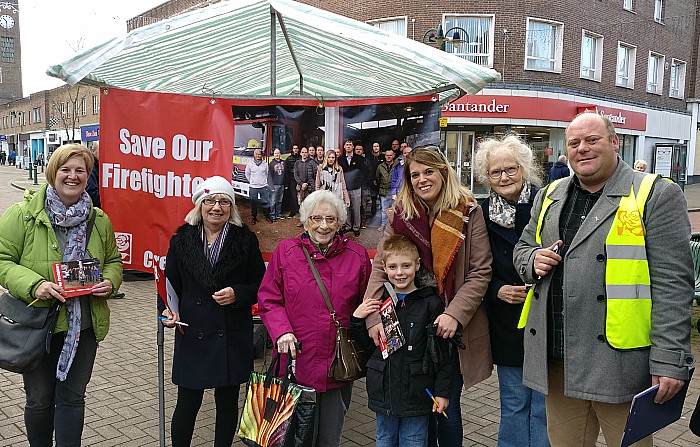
[513,146]
[61,156]
[335,166]
[451,195]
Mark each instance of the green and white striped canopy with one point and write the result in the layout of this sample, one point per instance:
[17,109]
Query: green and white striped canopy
[225,50]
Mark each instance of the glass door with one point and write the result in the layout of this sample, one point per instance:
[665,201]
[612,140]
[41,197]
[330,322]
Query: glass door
[459,150]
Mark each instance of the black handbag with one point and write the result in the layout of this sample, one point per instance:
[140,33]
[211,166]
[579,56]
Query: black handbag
[350,361]
[25,333]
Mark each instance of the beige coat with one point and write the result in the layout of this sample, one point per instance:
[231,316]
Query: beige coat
[471,281]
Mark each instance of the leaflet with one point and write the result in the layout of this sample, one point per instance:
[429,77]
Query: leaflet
[77,277]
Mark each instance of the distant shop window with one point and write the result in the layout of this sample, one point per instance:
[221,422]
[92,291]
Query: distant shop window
[543,47]
[626,59]
[655,73]
[95,105]
[36,112]
[396,25]
[626,148]
[677,82]
[477,42]
[628,5]
[591,56]
[8,49]
[658,10]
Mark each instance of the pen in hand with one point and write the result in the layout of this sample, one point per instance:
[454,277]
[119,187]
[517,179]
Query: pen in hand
[32,303]
[435,400]
[555,249]
[163,318]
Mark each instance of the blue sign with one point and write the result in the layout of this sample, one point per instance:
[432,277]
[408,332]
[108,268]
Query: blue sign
[90,133]
[3,137]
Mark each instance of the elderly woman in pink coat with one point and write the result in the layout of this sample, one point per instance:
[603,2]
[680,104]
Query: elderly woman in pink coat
[293,309]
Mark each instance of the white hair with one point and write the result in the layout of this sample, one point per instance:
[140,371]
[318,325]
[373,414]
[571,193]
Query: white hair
[322,196]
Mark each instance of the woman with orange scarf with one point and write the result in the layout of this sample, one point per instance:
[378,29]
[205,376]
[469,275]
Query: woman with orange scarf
[443,219]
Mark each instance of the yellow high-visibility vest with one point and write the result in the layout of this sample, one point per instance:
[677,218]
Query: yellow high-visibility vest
[627,281]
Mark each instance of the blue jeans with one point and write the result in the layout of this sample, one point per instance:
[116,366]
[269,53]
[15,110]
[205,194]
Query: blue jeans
[523,414]
[259,197]
[386,202]
[276,201]
[404,432]
[58,406]
[449,432]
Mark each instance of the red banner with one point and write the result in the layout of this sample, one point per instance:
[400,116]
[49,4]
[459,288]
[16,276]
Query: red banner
[155,149]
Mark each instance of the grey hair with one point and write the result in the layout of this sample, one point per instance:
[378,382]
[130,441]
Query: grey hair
[194,217]
[515,147]
[322,196]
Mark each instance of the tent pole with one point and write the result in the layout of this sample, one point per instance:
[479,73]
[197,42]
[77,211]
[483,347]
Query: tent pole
[291,51]
[273,53]
[161,383]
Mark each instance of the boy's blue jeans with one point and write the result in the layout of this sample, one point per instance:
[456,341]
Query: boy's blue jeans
[523,414]
[404,432]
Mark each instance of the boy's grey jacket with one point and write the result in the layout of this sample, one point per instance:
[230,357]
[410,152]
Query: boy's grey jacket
[592,369]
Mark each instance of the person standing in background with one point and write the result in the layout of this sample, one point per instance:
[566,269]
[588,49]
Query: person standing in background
[353,166]
[640,165]
[257,172]
[366,197]
[559,170]
[374,159]
[303,178]
[93,185]
[276,180]
[290,191]
[383,176]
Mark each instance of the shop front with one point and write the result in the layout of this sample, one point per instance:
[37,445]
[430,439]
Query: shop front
[540,121]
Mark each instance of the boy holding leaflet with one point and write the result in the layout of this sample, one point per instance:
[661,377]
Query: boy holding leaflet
[400,383]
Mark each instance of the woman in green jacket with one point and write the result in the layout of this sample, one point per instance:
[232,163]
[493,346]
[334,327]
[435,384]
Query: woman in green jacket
[50,226]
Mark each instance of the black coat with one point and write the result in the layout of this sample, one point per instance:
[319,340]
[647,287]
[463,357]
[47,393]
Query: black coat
[559,170]
[354,172]
[217,347]
[396,386]
[506,338]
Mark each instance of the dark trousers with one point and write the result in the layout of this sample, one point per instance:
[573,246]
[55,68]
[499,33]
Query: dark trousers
[58,406]
[290,202]
[188,404]
[259,197]
[448,432]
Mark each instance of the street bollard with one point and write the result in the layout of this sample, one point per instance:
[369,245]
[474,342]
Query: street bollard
[30,171]
[36,177]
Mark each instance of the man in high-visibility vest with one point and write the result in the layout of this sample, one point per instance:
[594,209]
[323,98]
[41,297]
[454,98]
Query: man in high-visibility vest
[609,315]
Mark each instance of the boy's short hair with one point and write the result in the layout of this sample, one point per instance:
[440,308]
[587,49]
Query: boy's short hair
[399,245]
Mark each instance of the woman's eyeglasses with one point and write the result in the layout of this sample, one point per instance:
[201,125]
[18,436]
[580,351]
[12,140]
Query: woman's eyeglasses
[223,203]
[330,220]
[510,172]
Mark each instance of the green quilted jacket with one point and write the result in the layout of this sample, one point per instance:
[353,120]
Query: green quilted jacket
[28,248]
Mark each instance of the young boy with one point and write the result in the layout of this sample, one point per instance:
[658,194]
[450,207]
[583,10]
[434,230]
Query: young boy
[396,387]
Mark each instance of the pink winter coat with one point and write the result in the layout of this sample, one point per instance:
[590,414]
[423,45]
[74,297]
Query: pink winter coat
[289,300]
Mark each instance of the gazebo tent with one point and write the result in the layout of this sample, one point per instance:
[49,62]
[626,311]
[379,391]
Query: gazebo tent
[273,48]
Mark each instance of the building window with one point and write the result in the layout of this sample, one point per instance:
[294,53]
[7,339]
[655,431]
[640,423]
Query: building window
[655,73]
[0,75]
[63,110]
[628,5]
[626,60]
[677,83]
[543,46]
[95,105]
[591,56]
[36,112]
[396,25]
[658,10]
[83,106]
[8,49]
[475,38]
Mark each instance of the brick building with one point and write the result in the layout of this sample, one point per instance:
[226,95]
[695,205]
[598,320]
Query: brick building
[633,60]
[10,53]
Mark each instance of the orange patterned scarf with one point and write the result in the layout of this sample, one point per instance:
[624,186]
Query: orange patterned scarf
[438,244]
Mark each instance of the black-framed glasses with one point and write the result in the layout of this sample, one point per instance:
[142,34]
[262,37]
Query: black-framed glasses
[330,220]
[510,172]
[223,203]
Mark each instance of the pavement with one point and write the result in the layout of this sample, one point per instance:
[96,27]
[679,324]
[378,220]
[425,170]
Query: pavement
[122,397]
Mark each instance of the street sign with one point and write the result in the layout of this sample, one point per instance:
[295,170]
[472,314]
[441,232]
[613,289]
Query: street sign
[443,122]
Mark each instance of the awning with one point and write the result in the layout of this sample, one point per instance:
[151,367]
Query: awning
[225,50]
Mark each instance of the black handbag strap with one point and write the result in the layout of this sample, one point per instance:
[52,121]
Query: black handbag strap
[321,286]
